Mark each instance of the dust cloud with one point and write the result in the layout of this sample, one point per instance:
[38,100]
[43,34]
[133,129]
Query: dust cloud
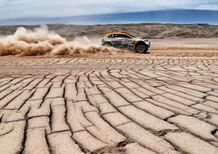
[41,41]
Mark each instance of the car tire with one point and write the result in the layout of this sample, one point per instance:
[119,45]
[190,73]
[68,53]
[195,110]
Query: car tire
[107,44]
[141,48]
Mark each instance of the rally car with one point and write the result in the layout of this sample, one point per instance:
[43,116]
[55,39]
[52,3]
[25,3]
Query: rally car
[126,40]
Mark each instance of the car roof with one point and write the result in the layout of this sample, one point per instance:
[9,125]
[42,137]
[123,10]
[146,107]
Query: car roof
[125,33]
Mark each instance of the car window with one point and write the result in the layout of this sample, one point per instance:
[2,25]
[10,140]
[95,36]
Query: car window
[121,36]
[111,36]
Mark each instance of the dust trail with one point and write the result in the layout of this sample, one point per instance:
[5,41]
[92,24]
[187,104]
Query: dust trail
[41,41]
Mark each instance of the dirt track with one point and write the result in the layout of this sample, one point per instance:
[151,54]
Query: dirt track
[127,104]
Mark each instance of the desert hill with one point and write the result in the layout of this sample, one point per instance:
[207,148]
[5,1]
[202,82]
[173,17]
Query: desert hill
[145,30]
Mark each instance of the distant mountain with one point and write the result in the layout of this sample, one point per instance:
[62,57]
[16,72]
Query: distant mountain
[182,16]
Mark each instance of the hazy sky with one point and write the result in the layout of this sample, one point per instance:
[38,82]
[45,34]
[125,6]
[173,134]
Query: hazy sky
[51,8]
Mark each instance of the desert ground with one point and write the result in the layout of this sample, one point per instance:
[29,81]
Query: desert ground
[163,102]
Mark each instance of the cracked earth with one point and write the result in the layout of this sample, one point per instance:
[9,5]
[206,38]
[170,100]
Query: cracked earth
[143,105]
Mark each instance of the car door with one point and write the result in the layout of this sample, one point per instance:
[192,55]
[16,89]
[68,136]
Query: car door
[117,40]
[126,40]
[121,40]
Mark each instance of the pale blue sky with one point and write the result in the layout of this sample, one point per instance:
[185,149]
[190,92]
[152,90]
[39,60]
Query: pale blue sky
[54,8]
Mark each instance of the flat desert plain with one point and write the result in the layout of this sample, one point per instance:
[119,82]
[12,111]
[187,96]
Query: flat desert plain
[164,102]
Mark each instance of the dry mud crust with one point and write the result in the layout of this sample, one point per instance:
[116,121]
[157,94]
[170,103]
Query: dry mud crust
[129,104]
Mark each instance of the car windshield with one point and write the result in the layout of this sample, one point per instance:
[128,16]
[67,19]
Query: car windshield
[130,35]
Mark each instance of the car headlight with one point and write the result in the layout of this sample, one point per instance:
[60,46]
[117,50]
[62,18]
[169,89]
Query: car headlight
[148,43]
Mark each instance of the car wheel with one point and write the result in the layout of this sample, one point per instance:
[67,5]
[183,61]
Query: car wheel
[141,48]
[107,45]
